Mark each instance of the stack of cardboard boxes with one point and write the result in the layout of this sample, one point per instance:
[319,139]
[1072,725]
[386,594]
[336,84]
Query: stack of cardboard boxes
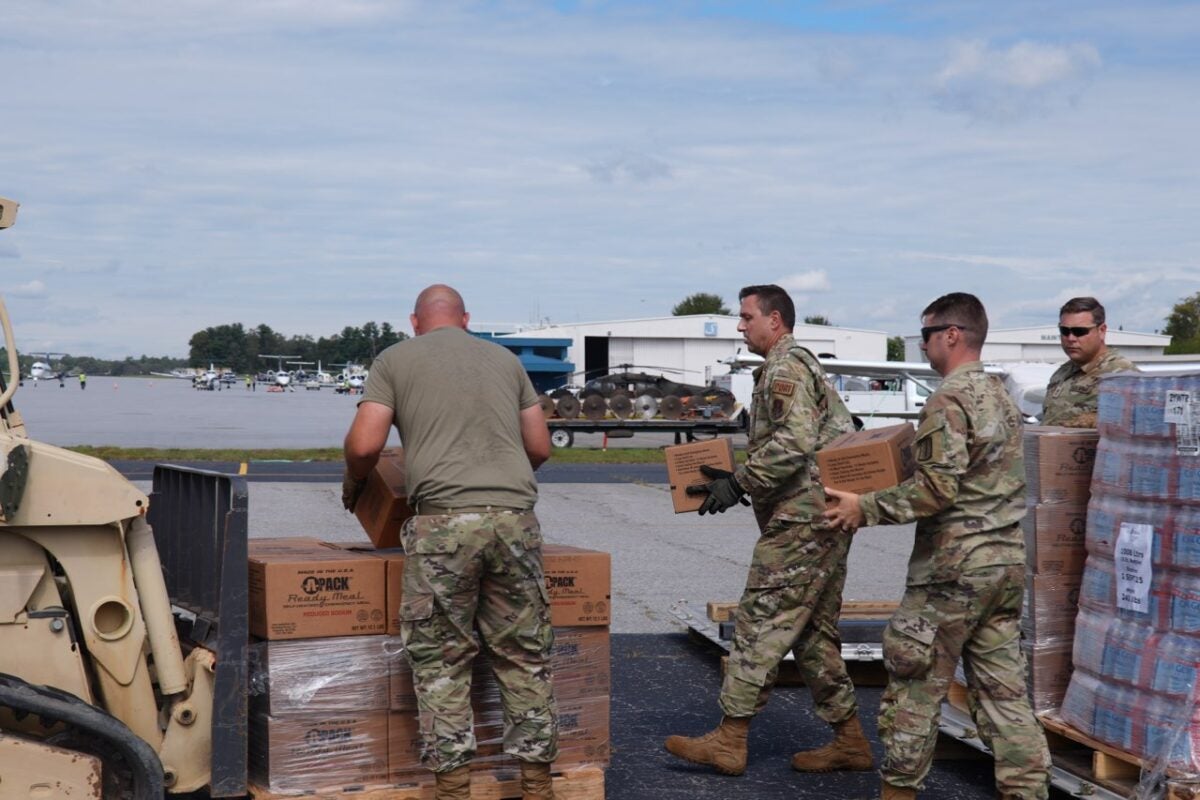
[332,699]
[1058,471]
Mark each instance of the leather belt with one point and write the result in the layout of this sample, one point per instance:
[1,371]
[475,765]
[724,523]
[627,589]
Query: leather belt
[429,509]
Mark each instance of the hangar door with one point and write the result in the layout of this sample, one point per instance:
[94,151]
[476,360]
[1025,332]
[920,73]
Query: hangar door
[595,357]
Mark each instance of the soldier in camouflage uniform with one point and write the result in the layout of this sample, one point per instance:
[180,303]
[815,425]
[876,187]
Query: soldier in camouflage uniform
[473,434]
[793,594]
[966,574]
[1073,394]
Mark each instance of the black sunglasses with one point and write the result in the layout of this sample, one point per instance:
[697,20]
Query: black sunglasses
[1077,331]
[932,329]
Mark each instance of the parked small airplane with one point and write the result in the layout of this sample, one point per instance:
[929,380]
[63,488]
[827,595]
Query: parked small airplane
[42,368]
[352,377]
[280,376]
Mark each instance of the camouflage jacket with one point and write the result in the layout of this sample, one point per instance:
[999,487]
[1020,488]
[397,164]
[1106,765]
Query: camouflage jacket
[793,414]
[1073,394]
[968,489]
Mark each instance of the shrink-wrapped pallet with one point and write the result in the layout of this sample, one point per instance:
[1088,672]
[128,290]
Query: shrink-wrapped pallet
[1137,637]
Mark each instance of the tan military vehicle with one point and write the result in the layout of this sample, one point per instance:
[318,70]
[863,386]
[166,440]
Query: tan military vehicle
[99,694]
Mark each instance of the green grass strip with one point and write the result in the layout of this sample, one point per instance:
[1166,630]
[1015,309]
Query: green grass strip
[569,455]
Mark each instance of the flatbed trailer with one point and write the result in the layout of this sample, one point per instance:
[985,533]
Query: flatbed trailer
[562,431]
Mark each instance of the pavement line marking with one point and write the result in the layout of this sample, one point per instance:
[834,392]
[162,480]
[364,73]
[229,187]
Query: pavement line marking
[242,468]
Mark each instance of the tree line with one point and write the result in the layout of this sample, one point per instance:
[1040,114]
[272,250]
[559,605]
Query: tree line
[243,349]
[73,365]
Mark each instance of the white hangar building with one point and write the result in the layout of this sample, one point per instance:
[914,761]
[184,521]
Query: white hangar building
[1041,343]
[692,345]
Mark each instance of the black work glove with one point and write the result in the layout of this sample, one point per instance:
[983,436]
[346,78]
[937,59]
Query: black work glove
[352,489]
[723,492]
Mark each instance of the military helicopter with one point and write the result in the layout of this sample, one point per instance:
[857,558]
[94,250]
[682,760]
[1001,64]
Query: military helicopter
[644,395]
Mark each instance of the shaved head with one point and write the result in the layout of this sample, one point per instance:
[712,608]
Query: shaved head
[438,306]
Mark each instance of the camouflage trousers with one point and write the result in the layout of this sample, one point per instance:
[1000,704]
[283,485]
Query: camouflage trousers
[792,601]
[482,571]
[977,617]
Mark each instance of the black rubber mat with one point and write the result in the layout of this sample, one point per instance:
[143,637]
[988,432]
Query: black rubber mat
[665,684]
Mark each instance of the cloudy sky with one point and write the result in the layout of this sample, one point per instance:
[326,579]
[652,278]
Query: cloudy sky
[312,164]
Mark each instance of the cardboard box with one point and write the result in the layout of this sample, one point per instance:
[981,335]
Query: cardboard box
[579,662]
[301,589]
[342,673]
[1054,538]
[1051,602]
[1050,671]
[318,751]
[579,583]
[683,469]
[868,460]
[383,506]
[1058,463]
[583,738]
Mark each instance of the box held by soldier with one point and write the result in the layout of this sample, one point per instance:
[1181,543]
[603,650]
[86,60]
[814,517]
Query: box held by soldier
[383,506]
[868,460]
[683,469]
[301,588]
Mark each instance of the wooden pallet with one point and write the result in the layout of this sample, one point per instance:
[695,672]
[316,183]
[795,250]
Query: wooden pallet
[1107,765]
[1089,766]
[579,783]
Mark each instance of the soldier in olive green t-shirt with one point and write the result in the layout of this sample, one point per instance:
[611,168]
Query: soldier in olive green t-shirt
[473,433]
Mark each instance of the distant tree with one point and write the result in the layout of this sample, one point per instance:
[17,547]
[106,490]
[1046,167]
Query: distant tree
[1183,326]
[221,346]
[895,348]
[817,319]
[700,303]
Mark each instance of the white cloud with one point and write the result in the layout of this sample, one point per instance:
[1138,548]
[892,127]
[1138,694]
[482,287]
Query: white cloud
[1006,84]
[629,166]
[33,288]
[309,165]
[812,281]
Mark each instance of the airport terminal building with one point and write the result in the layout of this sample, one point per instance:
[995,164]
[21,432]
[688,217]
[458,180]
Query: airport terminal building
[688,348]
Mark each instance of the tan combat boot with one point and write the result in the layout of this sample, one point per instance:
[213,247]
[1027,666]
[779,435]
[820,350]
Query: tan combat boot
[535,782]
[849,750]
[453,785]
[724,748]
[889,792]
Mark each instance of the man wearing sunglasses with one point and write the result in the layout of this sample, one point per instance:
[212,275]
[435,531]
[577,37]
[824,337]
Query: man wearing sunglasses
[1072,396]
[966,575]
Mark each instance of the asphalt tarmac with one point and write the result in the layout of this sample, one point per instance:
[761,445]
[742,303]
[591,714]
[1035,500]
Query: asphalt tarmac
[663,683]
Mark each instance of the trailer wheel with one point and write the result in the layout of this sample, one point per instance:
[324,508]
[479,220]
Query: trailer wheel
[561,437]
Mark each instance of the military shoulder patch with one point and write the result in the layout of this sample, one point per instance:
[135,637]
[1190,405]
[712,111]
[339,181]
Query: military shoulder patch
[783,387]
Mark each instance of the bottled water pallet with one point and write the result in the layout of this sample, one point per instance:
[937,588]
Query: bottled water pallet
[1108,764]
[1080,766]
[861,620]
[577,783]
